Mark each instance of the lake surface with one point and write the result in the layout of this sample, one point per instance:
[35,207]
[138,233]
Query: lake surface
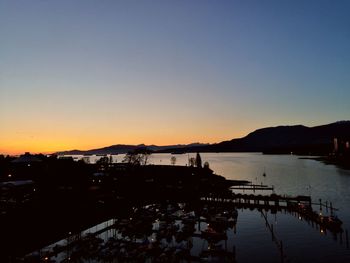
[302,242]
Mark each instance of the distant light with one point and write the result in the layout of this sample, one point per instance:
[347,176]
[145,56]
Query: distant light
[28,164]
[299,217]
[46,258]
[10,175]
[321,231]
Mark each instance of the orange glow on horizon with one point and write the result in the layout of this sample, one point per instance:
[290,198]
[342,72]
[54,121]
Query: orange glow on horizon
[49,145]
[48,136]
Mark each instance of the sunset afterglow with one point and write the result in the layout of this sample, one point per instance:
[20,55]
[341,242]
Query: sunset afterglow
[89,74]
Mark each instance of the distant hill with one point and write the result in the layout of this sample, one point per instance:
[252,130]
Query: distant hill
[285,139]
[123,148]
[298,139]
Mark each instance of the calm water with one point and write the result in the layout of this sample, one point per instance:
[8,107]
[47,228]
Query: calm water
[290,175]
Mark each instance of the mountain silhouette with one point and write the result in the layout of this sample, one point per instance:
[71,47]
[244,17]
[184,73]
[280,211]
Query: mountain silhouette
[285,139]
[124,148]
[298,139]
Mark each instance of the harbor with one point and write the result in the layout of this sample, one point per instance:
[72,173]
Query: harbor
[152,233]
[190,215]
[167,232]
[181,232]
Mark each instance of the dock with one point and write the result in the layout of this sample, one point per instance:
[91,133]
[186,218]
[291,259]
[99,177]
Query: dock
[300,205]
[252,187]
[260,201]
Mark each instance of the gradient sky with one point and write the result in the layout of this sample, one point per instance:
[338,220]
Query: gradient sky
[85,74]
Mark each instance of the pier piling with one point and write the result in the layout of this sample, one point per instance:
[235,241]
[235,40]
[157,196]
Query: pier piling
[341,238]
[347,238]
[281,250]
[331,207]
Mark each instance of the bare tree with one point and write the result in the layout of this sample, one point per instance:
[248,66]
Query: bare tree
[192,161]
[173,160]
[131,158]
[103,160]
[137,157]
[144,158]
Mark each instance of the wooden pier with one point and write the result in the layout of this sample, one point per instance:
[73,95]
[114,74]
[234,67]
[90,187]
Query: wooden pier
[298,205]
[261,201]
[253,187]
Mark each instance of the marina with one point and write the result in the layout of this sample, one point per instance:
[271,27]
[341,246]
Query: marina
[155,233]
[220,225]
[172,232]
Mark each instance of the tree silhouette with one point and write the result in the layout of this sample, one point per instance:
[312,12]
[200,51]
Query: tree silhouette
[198,160]
[137,157]
[192,161]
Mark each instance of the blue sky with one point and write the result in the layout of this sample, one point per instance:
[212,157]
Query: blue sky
[81,74]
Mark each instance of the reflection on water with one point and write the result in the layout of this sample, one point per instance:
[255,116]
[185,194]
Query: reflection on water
[302,240]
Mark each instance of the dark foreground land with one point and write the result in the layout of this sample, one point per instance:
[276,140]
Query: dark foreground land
[154,211]
[43,199]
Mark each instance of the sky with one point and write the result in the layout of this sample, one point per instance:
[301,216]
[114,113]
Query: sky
[86,74]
